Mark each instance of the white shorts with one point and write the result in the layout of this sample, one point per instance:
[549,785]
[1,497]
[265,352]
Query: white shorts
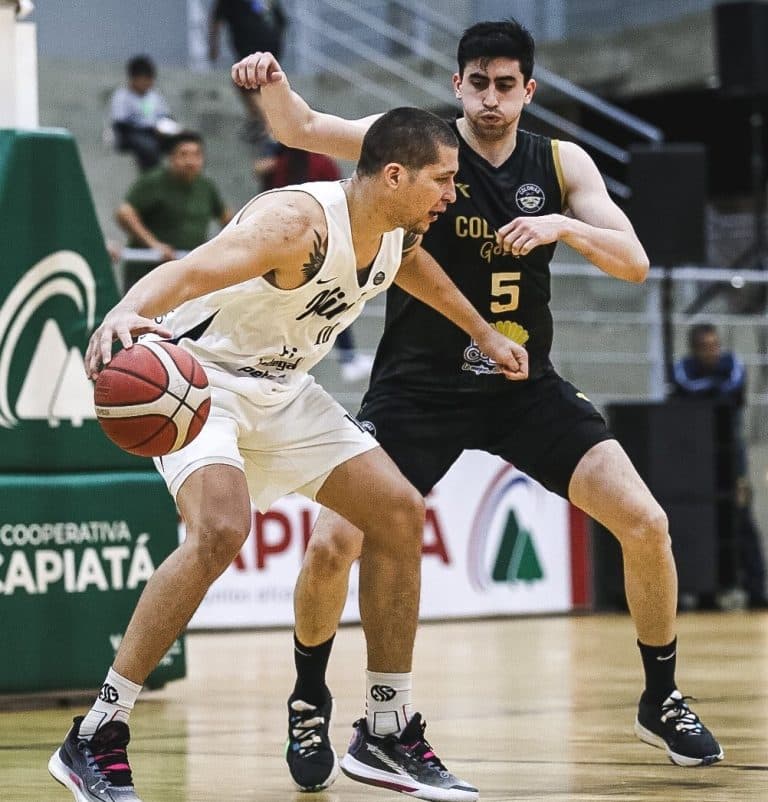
[283,441]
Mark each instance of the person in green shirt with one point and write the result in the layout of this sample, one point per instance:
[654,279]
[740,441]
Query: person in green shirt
[170,208]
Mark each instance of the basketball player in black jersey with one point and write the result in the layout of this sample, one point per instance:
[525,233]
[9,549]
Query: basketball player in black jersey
[433,393]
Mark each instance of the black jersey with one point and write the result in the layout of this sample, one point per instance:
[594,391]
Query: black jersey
[422,349]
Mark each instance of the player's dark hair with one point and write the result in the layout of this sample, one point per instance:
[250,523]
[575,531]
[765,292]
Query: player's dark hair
[141,67]
[407,136]
[695,333]
[502,39]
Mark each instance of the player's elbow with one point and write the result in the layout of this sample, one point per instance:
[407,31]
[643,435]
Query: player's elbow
[296,132]
[639,269]
[290,136]
[635,267]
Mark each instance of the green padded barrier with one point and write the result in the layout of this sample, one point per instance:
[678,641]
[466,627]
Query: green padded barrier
[56,282]
[76,551]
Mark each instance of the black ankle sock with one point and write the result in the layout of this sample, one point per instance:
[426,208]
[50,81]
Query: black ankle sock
[659,664]
[311,663]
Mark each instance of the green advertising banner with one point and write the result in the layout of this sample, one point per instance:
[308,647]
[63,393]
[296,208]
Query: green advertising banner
[56,283]
[76,551]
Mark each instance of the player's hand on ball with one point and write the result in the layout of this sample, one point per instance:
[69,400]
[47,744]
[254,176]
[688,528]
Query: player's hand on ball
[119,324]
[508,355]
[256,70]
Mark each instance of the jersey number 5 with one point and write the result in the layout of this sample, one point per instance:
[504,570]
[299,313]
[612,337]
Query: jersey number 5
[506,291]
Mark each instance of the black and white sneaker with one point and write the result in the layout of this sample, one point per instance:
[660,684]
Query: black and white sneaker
[405,763]
[95,770]
[311,759]
[673,726]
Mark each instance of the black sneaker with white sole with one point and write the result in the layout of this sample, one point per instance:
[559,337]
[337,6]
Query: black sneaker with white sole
[406,764]
[674,727]
[311,759]
[96,770]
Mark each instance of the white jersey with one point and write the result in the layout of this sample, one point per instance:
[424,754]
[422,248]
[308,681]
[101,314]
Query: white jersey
[254,329]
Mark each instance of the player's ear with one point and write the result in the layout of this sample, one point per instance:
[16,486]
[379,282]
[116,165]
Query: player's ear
[457,85]
[530,88]
[393,174]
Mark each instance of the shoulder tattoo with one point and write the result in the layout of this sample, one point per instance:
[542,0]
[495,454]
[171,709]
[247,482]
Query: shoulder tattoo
[314,262]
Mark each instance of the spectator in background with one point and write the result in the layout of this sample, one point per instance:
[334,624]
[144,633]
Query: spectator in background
[253,25]
[169,209]
[284,166]
[141,119]
[710,373]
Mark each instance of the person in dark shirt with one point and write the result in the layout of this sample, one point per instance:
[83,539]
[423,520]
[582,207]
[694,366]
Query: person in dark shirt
[170,208]
[252,25]
[434,393]
[711,374]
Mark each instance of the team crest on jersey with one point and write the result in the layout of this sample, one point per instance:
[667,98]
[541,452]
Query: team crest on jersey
[479,363]
[530,198]
[475,361]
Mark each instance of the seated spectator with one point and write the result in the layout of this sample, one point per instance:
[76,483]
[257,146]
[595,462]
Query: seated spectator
[140,117]
[710,373]
[283,166]
[169,208]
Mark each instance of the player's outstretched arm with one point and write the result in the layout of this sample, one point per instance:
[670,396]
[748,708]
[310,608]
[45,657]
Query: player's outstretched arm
[276,235]
[421,276]
[292,120]
[594,225]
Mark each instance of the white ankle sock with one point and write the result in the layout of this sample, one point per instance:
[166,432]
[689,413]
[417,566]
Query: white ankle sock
[114,703]
[388,706]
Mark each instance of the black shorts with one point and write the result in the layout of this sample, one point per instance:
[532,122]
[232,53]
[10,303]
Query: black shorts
[543,427]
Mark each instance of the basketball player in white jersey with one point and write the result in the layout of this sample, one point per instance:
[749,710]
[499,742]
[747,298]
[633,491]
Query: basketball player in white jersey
[259,305]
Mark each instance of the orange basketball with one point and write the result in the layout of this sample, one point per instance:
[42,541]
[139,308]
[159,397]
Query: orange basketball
[152,398]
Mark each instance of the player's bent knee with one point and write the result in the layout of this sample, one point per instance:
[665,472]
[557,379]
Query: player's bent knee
[333,553]
[405,512]
[215,542]
[649,530]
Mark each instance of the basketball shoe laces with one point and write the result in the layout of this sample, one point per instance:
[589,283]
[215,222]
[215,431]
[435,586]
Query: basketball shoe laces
[306,728]
[684,718]
[110,758]
[420,748]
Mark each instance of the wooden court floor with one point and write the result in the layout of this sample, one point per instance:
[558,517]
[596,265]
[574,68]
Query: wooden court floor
[526,709]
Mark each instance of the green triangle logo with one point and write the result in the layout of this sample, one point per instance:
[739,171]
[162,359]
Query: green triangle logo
[516,559]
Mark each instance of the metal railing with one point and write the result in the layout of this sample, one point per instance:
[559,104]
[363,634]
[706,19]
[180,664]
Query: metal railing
[643,326]
[147,255]
[636,316]
[424,59]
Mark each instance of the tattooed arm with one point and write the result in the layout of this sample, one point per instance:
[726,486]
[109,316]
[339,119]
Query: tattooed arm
[282,236]
[315,260]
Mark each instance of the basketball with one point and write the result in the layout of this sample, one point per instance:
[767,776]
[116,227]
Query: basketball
[152,399]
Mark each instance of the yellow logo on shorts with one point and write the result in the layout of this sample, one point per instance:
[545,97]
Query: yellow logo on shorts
[512,331]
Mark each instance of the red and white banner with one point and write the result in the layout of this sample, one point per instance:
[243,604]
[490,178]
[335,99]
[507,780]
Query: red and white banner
[495,543]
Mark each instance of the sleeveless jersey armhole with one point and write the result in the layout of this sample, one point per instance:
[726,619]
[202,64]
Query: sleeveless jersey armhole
[558,170]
